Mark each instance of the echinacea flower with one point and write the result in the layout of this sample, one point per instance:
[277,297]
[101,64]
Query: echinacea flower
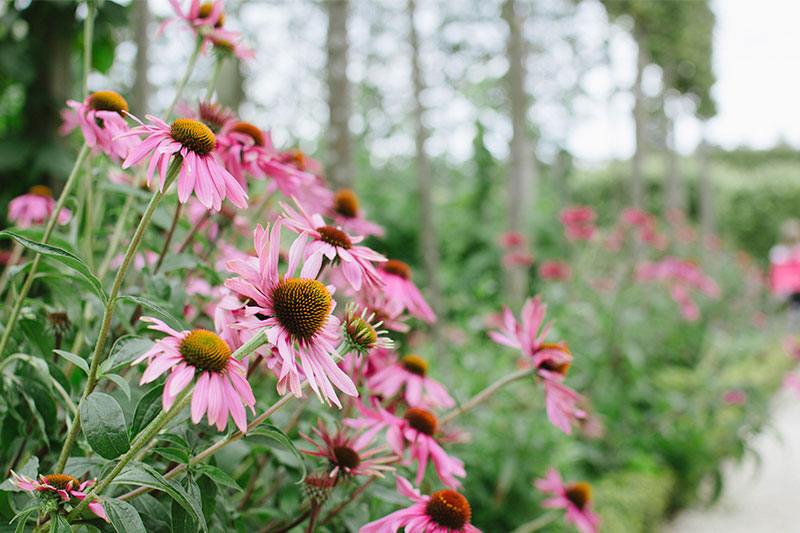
[101,119]
[578,221]
[576,498]
[212,114]
[444,511]
[226,43]
[347,214]
[409,373]
[208,15]
[67,487]
[415,431]
[336,246]
[193,141]
[295,314]
[556,270]
[401,293]
[360,333]
[349,455]
[221,386]
[35,208]
[240,145]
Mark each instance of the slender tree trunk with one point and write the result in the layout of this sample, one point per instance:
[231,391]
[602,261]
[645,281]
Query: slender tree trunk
[706,188]
[141,87]
[674,197]
[520,154]
[429,241]
[230,85]
[639,118]
[339,154]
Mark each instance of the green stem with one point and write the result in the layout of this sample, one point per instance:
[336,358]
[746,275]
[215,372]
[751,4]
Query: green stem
[189,68]
[48,231]
[88,232]
[168,239]
[16,254]
[212,84]
[487,392]
[172,173]
[152,429]
[88,38]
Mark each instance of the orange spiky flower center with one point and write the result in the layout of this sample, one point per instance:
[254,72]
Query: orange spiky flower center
[422,420]
[398,268]
[194,135]
[108,101]
[62,481]
[205,350]
[214,116]
[415,364]
[252,131]
[448,509]
[205,11]
[346,457]
[579,493]
[41,190]
[334,237]
[346,203]
[302,306]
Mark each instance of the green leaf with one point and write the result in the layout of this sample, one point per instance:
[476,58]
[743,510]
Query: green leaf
[124,351]
[146,410]
[158,310]
[177,440]
[24,513]
[75,359]
[121,382]
[218,475]
[152,512]
[144,475]
[59,524]
[123,516]
[275,433]
[103,425]
[173,454]
[71,260]
[182,522]
[177,261]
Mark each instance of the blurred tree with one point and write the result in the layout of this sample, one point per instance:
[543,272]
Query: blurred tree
[339,151]
[141,86]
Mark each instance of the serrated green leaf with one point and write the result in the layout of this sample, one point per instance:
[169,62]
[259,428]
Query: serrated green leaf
[219,476]
[103,424]
[59,524]
[157,309]
[69,259]
[124,351]
[183,522]
[152,512]
[275,433]
[146,410]
[177,440]
[173,454]
[123,516]
[121,383]
[75,359]
[141,474]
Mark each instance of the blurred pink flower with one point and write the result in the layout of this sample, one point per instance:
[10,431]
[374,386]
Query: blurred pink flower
[35,208]
[792,381]
[512,239]
[401,293]
[100,117]
[346,213]
[518,259]
[578,222]
[555,270]
[576,498]
[409,373]
[734,397]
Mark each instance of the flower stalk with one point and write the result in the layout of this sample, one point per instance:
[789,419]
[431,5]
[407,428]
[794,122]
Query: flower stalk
[486,393]
[189,68]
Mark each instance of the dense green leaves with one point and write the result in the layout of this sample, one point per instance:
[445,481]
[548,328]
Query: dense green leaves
[146,410]
[124,517]
[124,351]
[157,309]
[218,475]
[275,433]
[103,424]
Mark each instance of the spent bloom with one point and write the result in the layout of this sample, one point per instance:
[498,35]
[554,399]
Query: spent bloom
[336,246]
[200,172]
[221,387]
[100,117]
[444,511]
[35,207]
[409,373]
[295,314]
[576,498]
[401,293]
[67,487]
[349,453]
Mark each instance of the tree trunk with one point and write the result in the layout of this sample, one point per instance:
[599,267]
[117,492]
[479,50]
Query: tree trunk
[520,153]
[639,118]
[429,241]
[674,190]
[339,153]
[141,86]
[706,188]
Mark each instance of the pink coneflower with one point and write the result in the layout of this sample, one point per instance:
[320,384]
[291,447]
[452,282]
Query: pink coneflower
[67,487]
[551,360]
[100,117]
[391,315]
[295,314]
[239,147]
[349,455]
[792,381]
[205,16]
[578,222]
[415,431]
[336,246]
[212,114]
[227,43]
[346,213]
[734,397]
[645,224]
[401,293]
[193,141]
[555,270]
[35,208]
[410,374]
[444,511]
[512,239]
[221,387]
[576,498]
[360,333]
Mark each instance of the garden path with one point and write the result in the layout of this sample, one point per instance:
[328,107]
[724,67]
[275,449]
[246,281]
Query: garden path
[757,498]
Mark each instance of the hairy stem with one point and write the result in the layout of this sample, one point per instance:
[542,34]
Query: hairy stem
[212,84]
[484,395]
[185,79]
